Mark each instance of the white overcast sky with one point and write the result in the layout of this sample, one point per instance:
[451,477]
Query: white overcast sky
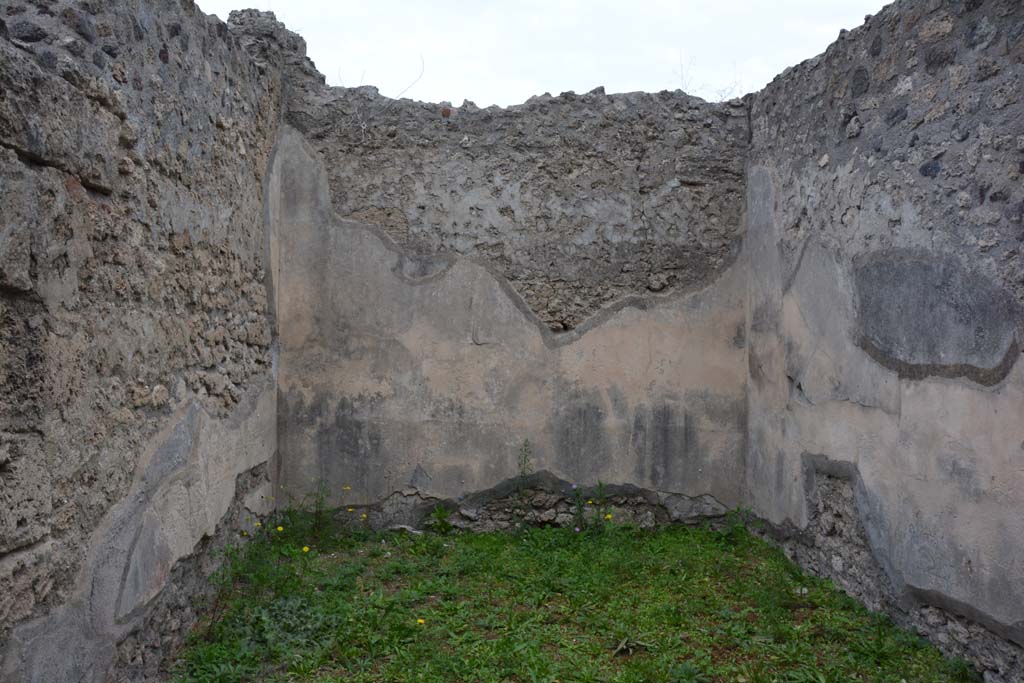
[493,52]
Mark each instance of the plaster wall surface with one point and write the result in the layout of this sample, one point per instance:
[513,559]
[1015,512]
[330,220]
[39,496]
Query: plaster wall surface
[393,380]
[884,199]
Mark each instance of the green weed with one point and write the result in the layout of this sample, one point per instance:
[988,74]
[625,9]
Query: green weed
[680,604]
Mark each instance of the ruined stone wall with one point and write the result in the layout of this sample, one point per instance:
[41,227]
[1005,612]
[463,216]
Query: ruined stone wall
[135,346]
[834,544]
[885,224]
[453,281]
[421,375]
[579,201]
[807,302]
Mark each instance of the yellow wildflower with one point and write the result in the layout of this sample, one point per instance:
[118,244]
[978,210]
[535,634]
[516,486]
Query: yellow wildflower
[280,528]
[259,524]
[351,509]
[305,548]
[590,502]
[346,487]
[608,516]
[421,621]
[362,516]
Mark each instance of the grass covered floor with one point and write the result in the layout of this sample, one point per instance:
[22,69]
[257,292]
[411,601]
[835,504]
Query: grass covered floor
[305,602]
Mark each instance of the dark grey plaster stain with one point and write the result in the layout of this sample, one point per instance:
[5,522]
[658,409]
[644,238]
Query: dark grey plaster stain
[739,339]
[670,441]
[581,441]
[924,315]
[666,440]
[962,472]
[414,267]
[618,402]
[765,318]
[347,443]
[755,368]
[175,451]
[348,446]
